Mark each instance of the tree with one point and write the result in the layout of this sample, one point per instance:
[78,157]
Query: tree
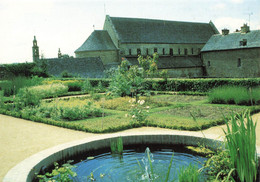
[130,80]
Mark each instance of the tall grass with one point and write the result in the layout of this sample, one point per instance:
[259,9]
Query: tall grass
[12,87]
[189,174]
[241,141]
[116,146]
[235,95]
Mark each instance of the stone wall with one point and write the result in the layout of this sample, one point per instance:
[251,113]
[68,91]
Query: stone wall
[107,57]
[91,67]
[232,63]
[192,49]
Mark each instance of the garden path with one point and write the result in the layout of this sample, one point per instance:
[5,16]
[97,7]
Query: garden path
[21,138]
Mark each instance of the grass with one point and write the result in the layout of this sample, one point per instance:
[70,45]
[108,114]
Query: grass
[235,95]
[166,111]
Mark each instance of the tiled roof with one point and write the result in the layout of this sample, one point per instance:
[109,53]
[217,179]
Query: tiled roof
[91,67]
[135,30]
[174,62]
[232,41]
[98,40]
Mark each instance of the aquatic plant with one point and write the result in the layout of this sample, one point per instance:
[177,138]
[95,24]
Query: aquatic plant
[189,174]
[241,142]
[116,145]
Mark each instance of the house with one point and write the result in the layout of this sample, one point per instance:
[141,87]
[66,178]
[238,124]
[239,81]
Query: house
[233,54]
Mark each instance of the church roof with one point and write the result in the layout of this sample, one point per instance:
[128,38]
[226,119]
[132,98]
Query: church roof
[98,40]
[232,41]
[136,30]
[174,62]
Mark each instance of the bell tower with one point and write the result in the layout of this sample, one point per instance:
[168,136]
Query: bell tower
[35,50]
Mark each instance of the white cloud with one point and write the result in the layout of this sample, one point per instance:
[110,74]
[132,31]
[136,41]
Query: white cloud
[237,1]
[219,6]
[230,23]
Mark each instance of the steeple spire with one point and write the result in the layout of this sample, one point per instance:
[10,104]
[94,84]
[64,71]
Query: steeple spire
[35,50]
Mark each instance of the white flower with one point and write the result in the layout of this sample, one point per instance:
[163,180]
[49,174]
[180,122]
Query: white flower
[147,107]
[138,101]
[142,102]
[133,116]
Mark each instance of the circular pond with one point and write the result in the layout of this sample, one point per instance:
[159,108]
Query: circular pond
[150,164]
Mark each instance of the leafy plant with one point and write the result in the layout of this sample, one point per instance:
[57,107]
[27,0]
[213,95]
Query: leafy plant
[241,141]
[62,173]
[138,111]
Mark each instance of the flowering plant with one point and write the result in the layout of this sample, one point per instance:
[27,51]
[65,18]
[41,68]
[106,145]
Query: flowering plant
[138,111]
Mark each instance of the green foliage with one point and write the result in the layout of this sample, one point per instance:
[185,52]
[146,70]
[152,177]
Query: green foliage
[48,91]
[218,165]
[62,173]
[26,98]
[235,95]
[130,80]
[12,87]
[241,141]
[189,174]
[138,112]
[198,85]
[66,74]
[116,145]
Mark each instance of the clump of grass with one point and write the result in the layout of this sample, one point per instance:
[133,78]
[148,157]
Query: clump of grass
[116,145]
[189,174]
[241,141]
[235,95]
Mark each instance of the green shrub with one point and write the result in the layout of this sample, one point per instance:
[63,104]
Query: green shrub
[66,74]
[235,95]
[48,91]
[25,98]
[12,87]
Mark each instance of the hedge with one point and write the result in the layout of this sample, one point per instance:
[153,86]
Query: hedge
[198,85]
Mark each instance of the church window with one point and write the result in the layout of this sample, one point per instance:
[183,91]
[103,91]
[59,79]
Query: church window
[138,51]
[186,51]
[192,52]
[239,62]
[130,52]
[208,63]
[155,50]
[179,51]
[147,51]
[171,52]
[163,51]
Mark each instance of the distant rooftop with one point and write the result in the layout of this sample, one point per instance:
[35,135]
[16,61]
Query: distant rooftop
[137,30]
[231,41]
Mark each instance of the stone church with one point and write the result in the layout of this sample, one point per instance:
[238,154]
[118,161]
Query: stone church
[186,49]
[177,43]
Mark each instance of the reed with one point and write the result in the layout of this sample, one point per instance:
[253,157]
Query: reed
[189,174]
[116,145]
[241,142]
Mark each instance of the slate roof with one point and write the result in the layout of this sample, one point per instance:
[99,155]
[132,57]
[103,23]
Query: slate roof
[232,41]
[98,40]
[135,30]
[174,62]
[91,67]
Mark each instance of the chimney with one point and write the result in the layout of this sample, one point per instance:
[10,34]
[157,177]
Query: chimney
[245,29]
[225,31]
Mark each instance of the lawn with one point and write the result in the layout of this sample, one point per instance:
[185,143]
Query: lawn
[105,114]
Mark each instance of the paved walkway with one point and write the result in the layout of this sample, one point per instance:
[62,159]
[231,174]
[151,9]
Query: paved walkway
[20,138]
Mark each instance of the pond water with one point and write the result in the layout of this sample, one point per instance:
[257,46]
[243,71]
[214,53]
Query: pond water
[134,166]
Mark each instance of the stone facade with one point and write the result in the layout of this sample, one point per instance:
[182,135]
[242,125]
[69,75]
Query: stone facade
[233,55]
[233,63]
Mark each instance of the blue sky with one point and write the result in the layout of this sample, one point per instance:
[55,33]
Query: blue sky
[66,24]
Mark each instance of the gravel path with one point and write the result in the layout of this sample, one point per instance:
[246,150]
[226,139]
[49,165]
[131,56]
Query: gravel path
[21,138]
